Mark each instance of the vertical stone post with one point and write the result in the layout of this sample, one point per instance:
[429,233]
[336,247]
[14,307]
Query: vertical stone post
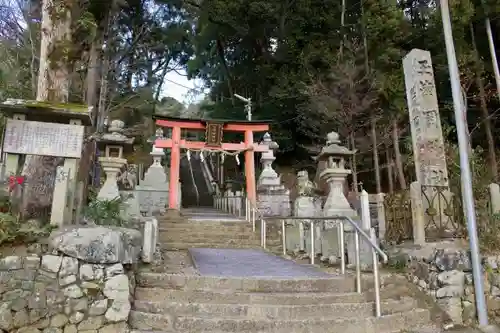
[70,167]
[427,136]
[12,160]
[230,202]
[365,210]
[494,190]
[381,216]
[417,213]
[238,202]
[59,211]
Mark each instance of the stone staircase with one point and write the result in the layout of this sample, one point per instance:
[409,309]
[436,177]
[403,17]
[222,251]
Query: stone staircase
[183,233]
[191,303]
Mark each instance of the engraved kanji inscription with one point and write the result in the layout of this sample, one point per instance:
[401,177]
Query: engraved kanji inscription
[47,139]
[427,137]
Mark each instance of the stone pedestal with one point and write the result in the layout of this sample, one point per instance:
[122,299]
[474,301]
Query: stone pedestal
[131,205]
[298,233]
[111,166]
[336,204]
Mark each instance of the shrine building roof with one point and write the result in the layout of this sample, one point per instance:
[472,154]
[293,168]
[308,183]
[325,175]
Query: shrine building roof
[60,113]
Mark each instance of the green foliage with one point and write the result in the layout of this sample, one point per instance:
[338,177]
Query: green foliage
[105,212]
[14,232]
[488,224]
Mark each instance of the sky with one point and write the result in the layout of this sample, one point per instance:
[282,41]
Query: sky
[186,91]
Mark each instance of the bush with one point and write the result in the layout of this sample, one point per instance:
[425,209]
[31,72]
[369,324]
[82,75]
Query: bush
[106,212]
[488,224]
[12,231]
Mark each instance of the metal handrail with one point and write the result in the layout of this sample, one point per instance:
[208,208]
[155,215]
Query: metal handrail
[252,213]
[381,253]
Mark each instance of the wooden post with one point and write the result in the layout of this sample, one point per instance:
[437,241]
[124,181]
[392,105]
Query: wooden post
[250,167]
[175,162]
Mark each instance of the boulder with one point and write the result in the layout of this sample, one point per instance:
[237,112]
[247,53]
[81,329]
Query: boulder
[98,244]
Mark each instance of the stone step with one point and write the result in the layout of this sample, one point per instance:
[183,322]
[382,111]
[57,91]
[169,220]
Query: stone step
[187,227]
[195,234]
[385,324]
[203,223]
[278,312]
[173,246]
[226,239]
[221,297]
[192,282]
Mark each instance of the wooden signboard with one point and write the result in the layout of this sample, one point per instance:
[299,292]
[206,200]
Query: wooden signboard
[39,138]
[214,134]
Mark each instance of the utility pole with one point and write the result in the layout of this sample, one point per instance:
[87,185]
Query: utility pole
[248,105]
[466,180]
[493,54]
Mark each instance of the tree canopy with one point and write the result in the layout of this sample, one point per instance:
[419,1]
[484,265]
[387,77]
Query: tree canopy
[309,66]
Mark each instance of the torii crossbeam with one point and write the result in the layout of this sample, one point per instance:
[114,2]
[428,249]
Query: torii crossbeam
[214,136]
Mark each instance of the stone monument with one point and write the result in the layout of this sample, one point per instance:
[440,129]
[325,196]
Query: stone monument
[114,143]
[273,199]
[426,132]
[427,136]
[153,190]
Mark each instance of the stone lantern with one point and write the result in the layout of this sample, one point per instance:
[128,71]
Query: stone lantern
[268,177]
[273,199]
[157,154]
[115,144]
[335,175]
[336,204]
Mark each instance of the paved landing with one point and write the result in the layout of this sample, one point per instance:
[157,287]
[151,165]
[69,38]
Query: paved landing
[249,263]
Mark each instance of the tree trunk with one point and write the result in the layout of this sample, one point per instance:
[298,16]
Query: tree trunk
[53,86]
[93,74]
[492,159]
[397,154]
[354,172]
[373,120]
[342,26]
[389,164]
[53,73]
[103,93]
[376,163]
[102,111]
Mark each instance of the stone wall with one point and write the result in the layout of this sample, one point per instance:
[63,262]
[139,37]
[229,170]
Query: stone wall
[444,271]
[61,294]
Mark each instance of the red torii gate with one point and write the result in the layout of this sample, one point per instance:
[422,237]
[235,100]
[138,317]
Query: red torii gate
[214,136]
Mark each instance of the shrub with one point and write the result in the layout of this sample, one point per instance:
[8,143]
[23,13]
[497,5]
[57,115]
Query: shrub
[106,212]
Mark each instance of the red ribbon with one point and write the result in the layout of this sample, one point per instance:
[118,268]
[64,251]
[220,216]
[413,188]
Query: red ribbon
[15,180]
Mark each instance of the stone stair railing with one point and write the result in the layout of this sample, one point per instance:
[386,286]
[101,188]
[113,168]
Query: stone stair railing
[237,204]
